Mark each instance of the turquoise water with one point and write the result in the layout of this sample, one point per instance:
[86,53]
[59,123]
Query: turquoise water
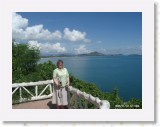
[108,72]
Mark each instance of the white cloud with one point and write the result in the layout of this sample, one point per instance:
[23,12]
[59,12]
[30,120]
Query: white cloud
[15,43]
[34,44]
[82,49]
[74,35]
[103,50]
[47,47]
[21,30]
[87,41]
[37,32]
[99,42]
[18,22]
[57,47]
[57,34]
[125,50]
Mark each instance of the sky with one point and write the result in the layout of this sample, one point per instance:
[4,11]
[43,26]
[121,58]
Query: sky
[79,32]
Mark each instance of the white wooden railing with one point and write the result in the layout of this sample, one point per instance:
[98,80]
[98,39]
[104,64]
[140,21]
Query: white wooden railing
[74,100]
[37,95]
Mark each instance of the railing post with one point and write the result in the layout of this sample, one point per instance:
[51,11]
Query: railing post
[36,90]
[50,88]
[76,105]
[80,103]
[69,97]
[20,94]
[104,104]
[86,104]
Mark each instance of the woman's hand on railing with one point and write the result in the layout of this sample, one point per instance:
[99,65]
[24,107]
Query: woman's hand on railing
[57,82]
[67,86]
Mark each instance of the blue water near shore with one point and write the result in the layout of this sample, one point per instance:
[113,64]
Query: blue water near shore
[107,72]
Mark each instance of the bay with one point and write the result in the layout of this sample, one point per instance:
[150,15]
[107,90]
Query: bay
[107,72]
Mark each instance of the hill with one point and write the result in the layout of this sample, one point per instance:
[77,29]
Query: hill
[92,54]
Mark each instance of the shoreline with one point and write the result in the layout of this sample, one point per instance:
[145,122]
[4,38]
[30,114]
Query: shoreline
[87,56]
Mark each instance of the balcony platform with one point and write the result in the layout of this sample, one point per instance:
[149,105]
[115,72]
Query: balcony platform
[39,104]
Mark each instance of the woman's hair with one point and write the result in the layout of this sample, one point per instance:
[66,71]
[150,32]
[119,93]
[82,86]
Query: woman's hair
[59,61]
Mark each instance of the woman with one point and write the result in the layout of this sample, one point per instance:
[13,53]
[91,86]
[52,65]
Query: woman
[61,83]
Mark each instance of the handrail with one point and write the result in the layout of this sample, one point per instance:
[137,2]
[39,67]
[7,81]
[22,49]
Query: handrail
[31,83]
[77,94]
[103,104]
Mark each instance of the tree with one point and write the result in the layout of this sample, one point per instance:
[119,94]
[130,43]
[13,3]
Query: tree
[24,59]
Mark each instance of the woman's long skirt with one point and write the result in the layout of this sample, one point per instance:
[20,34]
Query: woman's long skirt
[60,95]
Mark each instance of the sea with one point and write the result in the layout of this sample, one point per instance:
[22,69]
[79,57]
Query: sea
[107,72]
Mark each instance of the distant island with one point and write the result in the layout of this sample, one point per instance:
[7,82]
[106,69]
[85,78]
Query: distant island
[92,54]
[59,55]
[134,55]
[95,53]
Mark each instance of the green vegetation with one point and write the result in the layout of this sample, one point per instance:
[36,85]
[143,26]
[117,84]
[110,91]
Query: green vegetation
[25,68]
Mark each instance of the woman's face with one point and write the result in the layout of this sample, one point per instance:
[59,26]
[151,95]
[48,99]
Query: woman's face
[60,65]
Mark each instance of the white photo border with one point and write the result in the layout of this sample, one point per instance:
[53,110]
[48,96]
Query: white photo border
[144,6]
